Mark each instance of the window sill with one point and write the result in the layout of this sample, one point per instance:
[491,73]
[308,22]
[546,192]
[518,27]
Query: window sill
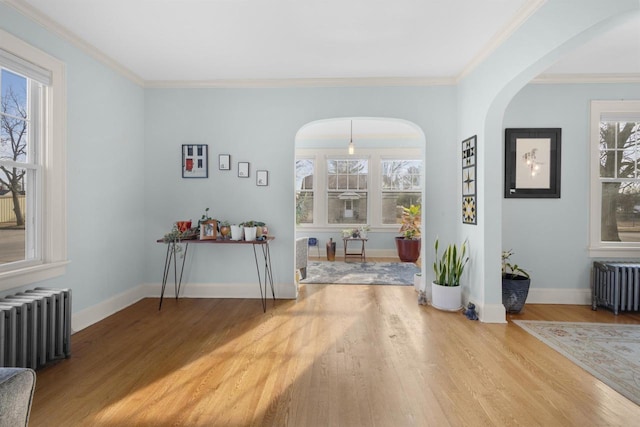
[614,252]
[32,274]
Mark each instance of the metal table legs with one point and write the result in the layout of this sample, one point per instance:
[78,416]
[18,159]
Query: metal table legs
[172,254]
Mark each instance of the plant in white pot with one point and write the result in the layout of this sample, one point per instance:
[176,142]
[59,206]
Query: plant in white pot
[515,284]
[446,292]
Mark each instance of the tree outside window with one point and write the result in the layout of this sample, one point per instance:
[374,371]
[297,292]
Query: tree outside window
[304,191]
[620,181]
[401,187]
[15,167]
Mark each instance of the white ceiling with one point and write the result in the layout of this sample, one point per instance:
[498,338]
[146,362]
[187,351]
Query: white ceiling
[215,40]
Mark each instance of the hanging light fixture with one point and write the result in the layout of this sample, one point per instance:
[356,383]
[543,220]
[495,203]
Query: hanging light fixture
[351,148]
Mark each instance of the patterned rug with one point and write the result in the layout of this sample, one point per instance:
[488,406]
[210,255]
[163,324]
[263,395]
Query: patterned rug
[361,273]
[609,352]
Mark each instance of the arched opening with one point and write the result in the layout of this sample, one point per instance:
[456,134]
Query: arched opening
[355,173]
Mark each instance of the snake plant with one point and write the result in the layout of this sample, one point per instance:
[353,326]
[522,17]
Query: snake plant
[449,267]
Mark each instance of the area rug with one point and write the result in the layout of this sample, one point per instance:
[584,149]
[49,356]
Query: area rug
[361,273]
[609,352]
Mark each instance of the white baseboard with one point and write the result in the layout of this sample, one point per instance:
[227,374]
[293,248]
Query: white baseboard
[104,309]
[559,296]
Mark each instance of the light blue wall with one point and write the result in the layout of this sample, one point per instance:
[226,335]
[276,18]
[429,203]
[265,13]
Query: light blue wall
[554,30]
[551,236]
[259,126]
[105,170]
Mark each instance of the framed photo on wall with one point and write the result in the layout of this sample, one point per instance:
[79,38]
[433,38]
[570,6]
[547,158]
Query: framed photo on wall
[262,178]
[195,159]
[532,163]
[224,162]
[243,169]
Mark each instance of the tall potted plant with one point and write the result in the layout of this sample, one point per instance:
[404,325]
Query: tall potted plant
[446,292]
[515,284]
[409,243]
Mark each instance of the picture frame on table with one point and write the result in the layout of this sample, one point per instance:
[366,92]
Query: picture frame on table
[209,230]
[243,169]
[195,161]
[532,163]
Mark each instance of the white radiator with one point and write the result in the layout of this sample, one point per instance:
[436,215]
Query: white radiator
[616,285]
[35,327]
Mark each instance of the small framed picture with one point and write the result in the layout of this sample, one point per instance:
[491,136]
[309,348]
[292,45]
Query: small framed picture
[195,161]
[209,230]
[243,169]
[224,162]
[262,178]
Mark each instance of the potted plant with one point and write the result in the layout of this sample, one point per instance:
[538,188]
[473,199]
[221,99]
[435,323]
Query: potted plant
[409,243]
[515,284]
[225,229]
[446,292]
[250,230]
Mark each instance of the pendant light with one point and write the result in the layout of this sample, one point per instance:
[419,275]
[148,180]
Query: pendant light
[351,148]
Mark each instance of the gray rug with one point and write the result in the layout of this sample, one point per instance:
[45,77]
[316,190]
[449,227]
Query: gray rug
[361,273]
[608,351]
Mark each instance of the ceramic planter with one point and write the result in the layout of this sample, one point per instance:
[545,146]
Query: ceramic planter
[418,282]
[250,233]
[514,293]
[447,298]
[408,249]
[236,232]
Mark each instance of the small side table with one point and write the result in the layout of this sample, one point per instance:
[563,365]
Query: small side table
[361,253]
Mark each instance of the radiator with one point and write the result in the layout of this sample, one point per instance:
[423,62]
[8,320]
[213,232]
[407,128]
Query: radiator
[35,327]
[616,285]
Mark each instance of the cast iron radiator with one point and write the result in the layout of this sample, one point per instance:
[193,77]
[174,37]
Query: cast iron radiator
[35,327]
[616,285]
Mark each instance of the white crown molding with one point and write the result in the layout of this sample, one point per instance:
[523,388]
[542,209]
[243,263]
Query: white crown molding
[321,82]
[30,12]
[521,17]
[586,78]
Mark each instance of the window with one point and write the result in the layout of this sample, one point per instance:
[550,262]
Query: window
[32,164]
[304,191]
[615,178]
[347,194]
[401,187]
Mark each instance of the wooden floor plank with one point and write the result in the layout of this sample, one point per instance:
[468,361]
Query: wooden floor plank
[341,355]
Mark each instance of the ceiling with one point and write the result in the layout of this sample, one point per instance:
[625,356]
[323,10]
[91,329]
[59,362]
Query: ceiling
[222,40]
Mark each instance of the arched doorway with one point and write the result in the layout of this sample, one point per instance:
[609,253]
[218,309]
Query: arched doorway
[342,165]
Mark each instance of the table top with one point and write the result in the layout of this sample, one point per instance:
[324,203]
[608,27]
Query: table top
[225,241]
[355,238]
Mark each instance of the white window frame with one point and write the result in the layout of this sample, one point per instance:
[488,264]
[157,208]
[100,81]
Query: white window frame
[52,211]
[374,184]
[598,248]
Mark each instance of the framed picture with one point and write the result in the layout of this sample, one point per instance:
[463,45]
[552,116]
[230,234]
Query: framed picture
[209,230]
[195,161]
[243,169]
[224,162]
[532,163]
[262,178]
[469,196]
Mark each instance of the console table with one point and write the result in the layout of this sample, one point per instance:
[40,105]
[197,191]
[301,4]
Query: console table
[360,254]
[172,254]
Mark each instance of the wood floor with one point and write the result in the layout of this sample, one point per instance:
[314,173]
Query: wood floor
[339,356]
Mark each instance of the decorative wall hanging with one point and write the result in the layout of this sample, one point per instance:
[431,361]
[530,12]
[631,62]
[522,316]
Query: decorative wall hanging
[532,163]
[262,178]
[224,162]
[469,195]
[195,160]
[243,169]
